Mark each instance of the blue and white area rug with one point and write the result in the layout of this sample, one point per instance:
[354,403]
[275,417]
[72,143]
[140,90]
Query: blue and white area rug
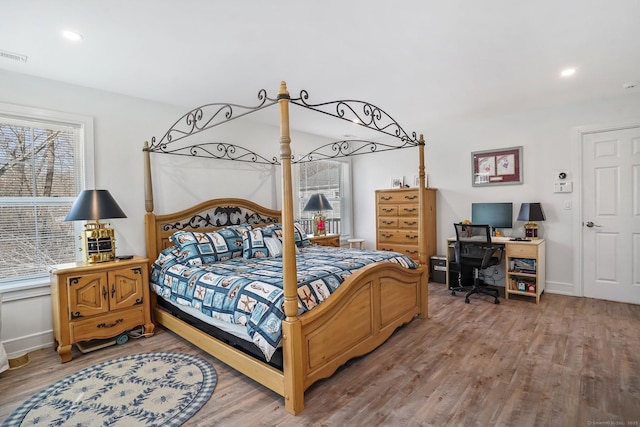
[149,389]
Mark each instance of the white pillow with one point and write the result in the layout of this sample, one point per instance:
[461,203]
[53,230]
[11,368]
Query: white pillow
[274,246]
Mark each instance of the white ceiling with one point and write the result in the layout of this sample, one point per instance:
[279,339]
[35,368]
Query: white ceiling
[424,62]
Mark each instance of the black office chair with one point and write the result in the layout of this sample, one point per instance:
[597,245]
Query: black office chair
[473,248]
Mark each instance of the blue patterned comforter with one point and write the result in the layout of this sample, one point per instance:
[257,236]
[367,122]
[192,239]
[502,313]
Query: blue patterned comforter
[249,291]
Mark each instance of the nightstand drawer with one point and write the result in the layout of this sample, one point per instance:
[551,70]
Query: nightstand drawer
[108,325]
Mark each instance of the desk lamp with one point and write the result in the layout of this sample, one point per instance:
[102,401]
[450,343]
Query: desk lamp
[318,203]
[531,212]
[98,240]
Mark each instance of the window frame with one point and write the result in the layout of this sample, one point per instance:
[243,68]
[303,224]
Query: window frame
[86,179]
[346,186]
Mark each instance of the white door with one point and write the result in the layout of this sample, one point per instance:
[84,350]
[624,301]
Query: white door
[611,214]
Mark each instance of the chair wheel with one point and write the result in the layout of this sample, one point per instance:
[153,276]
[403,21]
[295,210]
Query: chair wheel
[497,301]
[453,293]
[466,300]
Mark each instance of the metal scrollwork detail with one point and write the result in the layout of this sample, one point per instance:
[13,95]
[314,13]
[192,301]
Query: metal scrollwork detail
[205,117]
[223,216]
[361,113]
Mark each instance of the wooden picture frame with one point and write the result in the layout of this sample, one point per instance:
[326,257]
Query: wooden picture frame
[501,166]
[397,182]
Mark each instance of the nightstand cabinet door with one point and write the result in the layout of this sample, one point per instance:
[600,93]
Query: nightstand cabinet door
[126,287]
[88,295]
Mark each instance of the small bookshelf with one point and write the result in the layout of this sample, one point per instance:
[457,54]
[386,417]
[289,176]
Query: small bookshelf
[525,268]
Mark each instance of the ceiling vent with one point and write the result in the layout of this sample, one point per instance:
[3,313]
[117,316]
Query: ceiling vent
[13,56]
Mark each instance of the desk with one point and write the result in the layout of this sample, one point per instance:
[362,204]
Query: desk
[524,262]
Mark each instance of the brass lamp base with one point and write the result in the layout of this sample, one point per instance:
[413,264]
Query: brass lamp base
[319,225]
[531,231]
[98,242]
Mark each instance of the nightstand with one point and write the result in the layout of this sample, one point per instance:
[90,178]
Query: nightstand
[98,301]
[327,240]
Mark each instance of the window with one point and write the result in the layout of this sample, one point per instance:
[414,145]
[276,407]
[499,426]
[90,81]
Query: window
[42,170]
[333,179]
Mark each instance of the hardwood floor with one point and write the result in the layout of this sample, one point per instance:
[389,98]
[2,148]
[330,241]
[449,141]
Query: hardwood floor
[564,362]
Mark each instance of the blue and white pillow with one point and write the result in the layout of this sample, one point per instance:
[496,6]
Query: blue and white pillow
[196,248]
[253,245]
[300,236]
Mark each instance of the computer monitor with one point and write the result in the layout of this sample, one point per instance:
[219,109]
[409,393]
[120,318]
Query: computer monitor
[497,215]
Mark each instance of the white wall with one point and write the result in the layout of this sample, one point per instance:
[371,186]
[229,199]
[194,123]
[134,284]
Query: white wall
[546,137]
[122,124]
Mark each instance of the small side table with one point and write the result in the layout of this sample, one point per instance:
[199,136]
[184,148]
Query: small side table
[356,243]
[326,240]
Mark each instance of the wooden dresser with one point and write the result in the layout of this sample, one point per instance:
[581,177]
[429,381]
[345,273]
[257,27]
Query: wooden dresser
[397,221]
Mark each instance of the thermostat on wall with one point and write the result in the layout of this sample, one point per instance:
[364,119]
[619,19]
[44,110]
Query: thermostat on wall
[563,187]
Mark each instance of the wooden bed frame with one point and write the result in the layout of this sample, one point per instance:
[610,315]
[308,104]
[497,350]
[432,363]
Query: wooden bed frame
[363,313]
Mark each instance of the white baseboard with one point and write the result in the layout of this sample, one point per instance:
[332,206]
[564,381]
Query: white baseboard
[561,288]
[19,346]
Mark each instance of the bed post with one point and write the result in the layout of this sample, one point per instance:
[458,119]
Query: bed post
[149,220]
[422,233]
[291,328]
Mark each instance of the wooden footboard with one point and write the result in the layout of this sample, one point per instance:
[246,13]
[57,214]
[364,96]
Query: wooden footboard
[360,316]
[356,319]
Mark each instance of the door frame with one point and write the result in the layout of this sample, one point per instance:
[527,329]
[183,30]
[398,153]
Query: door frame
[578,134]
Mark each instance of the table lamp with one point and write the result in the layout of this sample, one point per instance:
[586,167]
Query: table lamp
[318,203]
[98,240]
[531,212]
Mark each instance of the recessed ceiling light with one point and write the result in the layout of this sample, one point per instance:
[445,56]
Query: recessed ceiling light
[568,72]
[72,35]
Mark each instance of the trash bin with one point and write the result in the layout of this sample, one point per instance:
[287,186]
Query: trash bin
[438,269]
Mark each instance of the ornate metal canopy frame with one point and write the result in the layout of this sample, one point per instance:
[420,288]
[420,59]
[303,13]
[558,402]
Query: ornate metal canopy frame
[212,115]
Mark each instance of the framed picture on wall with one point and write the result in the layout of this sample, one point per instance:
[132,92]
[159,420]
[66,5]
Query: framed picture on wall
[502,166]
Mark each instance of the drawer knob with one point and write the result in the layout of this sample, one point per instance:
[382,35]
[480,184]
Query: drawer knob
[385,197]
[410,237]
[410,197]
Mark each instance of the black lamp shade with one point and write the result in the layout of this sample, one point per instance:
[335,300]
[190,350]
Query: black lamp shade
[318,202]
[531,212]
[93,205]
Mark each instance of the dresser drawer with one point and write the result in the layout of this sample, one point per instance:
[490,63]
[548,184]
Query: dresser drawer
[397,196]
[388,210]
[387,222]
[410,250]
[408,223]
[408,210]
[108,325]
[398,236]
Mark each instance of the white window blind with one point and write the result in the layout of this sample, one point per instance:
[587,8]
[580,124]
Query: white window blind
[41,174]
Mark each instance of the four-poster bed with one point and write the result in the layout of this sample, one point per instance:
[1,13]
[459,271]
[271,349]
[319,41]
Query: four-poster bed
[358,316]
